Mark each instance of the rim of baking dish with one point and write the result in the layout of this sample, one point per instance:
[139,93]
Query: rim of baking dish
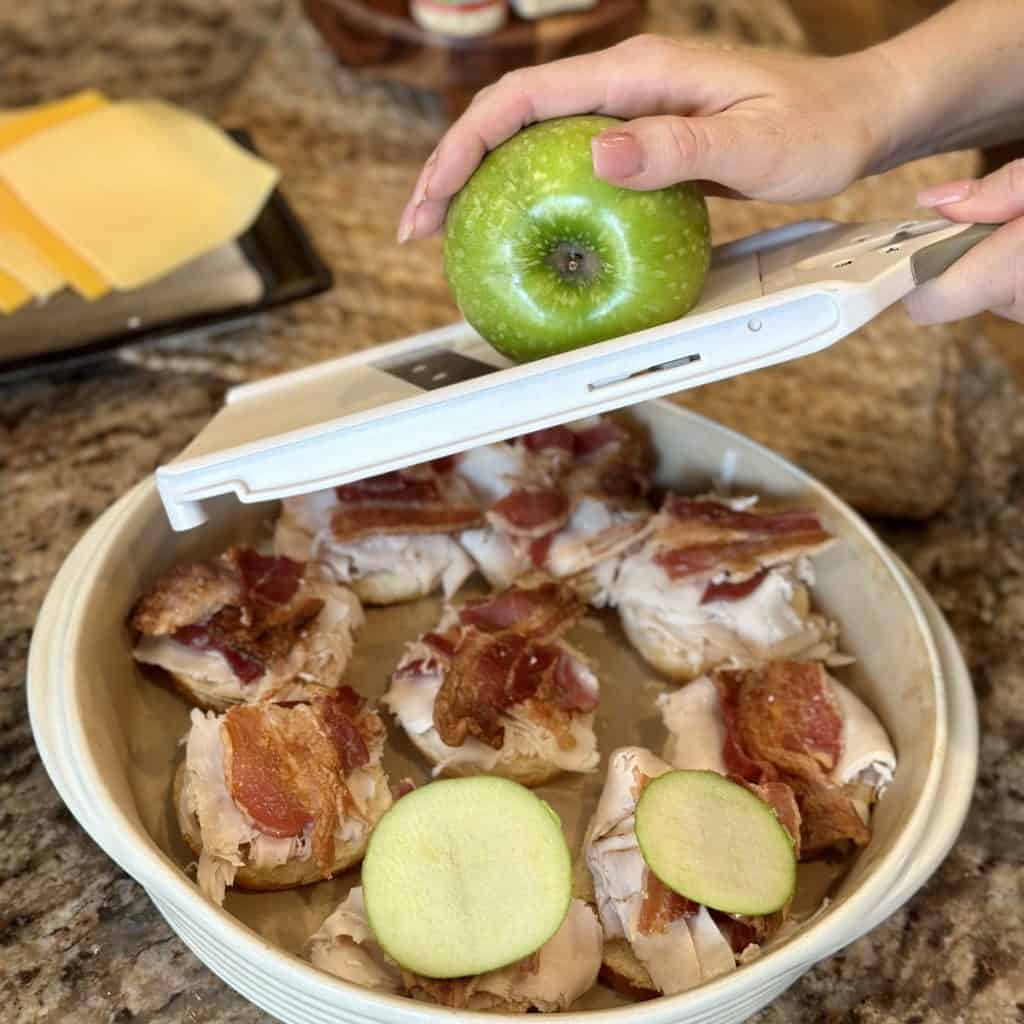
[262,966]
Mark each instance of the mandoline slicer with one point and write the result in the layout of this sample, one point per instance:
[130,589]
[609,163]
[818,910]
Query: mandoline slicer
[768,298]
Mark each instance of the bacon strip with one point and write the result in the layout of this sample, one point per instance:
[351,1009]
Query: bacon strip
[530,513]
[338,716]
[544,612]
[661,906]
[729,591]
[783,724]
[592,439]
[423,499]
[558,439]
[286,766]
[185,595]
[698,536]
[492,672]
[267,580]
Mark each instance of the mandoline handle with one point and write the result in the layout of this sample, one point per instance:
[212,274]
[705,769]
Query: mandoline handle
[935,259]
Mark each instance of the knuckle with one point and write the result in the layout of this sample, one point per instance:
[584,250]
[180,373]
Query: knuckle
[515,86]
[689,145]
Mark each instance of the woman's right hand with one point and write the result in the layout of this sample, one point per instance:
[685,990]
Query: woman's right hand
[754,124]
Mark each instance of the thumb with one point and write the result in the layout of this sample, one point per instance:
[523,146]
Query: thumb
[652,152]
[994,199]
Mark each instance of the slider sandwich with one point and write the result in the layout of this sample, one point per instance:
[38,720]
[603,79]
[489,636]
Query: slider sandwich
[272,796]
[246,627]
[496,688]
[566,501]
[723,581]
[392,537]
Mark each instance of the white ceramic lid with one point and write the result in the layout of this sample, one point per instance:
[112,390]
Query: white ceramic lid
[768,298]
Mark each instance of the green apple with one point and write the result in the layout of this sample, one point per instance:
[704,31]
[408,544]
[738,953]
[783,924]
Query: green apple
[543,257]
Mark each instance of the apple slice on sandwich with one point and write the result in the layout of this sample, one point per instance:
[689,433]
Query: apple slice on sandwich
[466,903]
[272,796]
[723,581]
[246,627]
[391,537]
[717,841]
[791,722]
[567,501]
[495,688]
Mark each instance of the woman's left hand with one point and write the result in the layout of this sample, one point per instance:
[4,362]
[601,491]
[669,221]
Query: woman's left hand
[991,275]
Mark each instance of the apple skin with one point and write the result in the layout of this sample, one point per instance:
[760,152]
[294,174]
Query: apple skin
[542,256]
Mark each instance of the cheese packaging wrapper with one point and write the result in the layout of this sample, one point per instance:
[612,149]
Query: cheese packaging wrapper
[132,189]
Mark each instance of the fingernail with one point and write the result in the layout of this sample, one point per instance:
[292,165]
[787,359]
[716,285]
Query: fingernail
[946,193]
[419,193]
[407,222]
[616,155]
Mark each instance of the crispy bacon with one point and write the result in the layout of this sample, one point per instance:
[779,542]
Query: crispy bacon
[249,641]
[443,643]
[700,535]
[560,439]
[478,686]
[423,499]
[782,800]
[592,439]
[661,906]
[260,773]
[726,590]
[492,672]
[783,724]
[204,638]
[398,486]
[185,595]
[544,612]
[285,766]
[540,549]
[530,513]
[266,579]
[338,714]
[248,607]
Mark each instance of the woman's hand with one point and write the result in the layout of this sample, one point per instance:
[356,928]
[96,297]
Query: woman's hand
[760,125]
[991,275]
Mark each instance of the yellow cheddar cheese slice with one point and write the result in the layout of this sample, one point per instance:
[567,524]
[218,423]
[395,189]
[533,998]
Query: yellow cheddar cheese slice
[152,188]
[18,218]
[13,295]
[21,260]
[18,125]
[29,253]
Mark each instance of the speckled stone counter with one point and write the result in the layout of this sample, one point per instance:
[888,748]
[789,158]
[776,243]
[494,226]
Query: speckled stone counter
[80,942]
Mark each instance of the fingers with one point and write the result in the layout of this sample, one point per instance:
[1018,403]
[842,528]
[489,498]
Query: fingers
[994,199]
[572,86]
[989,277]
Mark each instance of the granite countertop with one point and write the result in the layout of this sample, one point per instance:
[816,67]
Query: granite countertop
[80,941]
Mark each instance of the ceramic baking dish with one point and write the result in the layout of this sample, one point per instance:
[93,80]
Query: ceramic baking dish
[108,739]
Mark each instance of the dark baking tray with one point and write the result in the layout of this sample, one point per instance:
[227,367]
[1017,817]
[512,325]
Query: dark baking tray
[276,249]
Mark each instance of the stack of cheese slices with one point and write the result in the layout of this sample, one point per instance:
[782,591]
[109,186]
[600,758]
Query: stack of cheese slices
[98,195]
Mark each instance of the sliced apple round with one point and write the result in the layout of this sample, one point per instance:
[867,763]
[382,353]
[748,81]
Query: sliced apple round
[465,876]
[715,843]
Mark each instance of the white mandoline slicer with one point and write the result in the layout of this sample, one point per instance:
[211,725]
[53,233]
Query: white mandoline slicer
[768,298]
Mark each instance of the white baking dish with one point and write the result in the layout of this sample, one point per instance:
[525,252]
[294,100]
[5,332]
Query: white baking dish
[94,720]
